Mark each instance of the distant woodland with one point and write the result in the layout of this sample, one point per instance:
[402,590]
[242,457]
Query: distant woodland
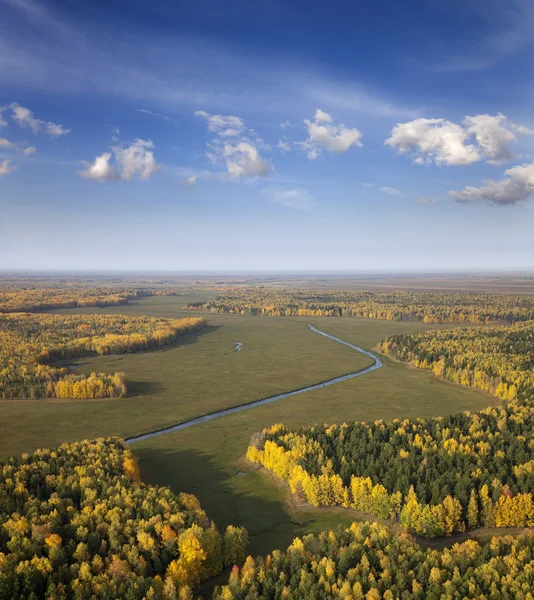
[30,342]
[499,360]
[77,522]
[29,298]
[428,307]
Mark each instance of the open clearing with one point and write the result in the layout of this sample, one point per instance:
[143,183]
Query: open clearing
[200,375]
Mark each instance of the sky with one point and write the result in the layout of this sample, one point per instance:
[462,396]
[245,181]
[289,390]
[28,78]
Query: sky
[267,135]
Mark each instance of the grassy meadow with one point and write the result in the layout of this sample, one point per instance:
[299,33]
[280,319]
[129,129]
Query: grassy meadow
[201,374]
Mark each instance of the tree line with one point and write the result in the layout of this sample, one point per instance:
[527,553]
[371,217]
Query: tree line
[499,360]
[30,342]
[27,297]
[427,307]
[77,522]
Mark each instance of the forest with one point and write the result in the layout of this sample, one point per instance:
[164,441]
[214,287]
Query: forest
[367,561]
[428,307]
[29,342]
[32,297]
[77,522]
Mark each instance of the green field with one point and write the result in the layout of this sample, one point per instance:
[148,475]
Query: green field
[197,376]
[204,374]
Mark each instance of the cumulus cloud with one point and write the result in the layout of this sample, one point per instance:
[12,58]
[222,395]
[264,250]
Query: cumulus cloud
[6,167]
[435,140]
[243,159]
[239,147]
[482,137]
[324,135]
[6,144]
[26,119]
[516,186]
[135,160]
[296,198]
[425,200]
[223,125]
[391,191]
[493,136]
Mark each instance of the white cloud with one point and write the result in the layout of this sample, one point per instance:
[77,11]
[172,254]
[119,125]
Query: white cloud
[521,129]
[100,169]
[223,126]
[391,191]
[6,143]
[435,140]
[492,135]
[284,145]
[286,124]
[6,167]
[135,160]
[9,145]
[243,159]
[324,135]
[516,186]
[297,198]
[3,123]
[26,119]
[238,151]
[191,181]
[482,137]
[154,114]
[425,200]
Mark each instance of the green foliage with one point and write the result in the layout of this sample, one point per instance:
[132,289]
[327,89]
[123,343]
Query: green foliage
[429,307]
[423,471]
[368,561]
[77,522]
[30,342]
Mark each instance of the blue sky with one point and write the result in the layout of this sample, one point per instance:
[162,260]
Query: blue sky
[267,135]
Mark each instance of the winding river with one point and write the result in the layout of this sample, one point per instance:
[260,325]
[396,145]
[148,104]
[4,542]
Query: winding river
[230,411]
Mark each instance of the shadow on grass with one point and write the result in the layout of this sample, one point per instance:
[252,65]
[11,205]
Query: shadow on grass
[187,340]
[228,499]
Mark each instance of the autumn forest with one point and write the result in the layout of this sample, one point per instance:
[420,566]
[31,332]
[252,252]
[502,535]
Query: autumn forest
[83,519]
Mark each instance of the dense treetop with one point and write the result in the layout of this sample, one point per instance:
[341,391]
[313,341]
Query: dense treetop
[366,561]
[77,522]
[430,307]
[30,342]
